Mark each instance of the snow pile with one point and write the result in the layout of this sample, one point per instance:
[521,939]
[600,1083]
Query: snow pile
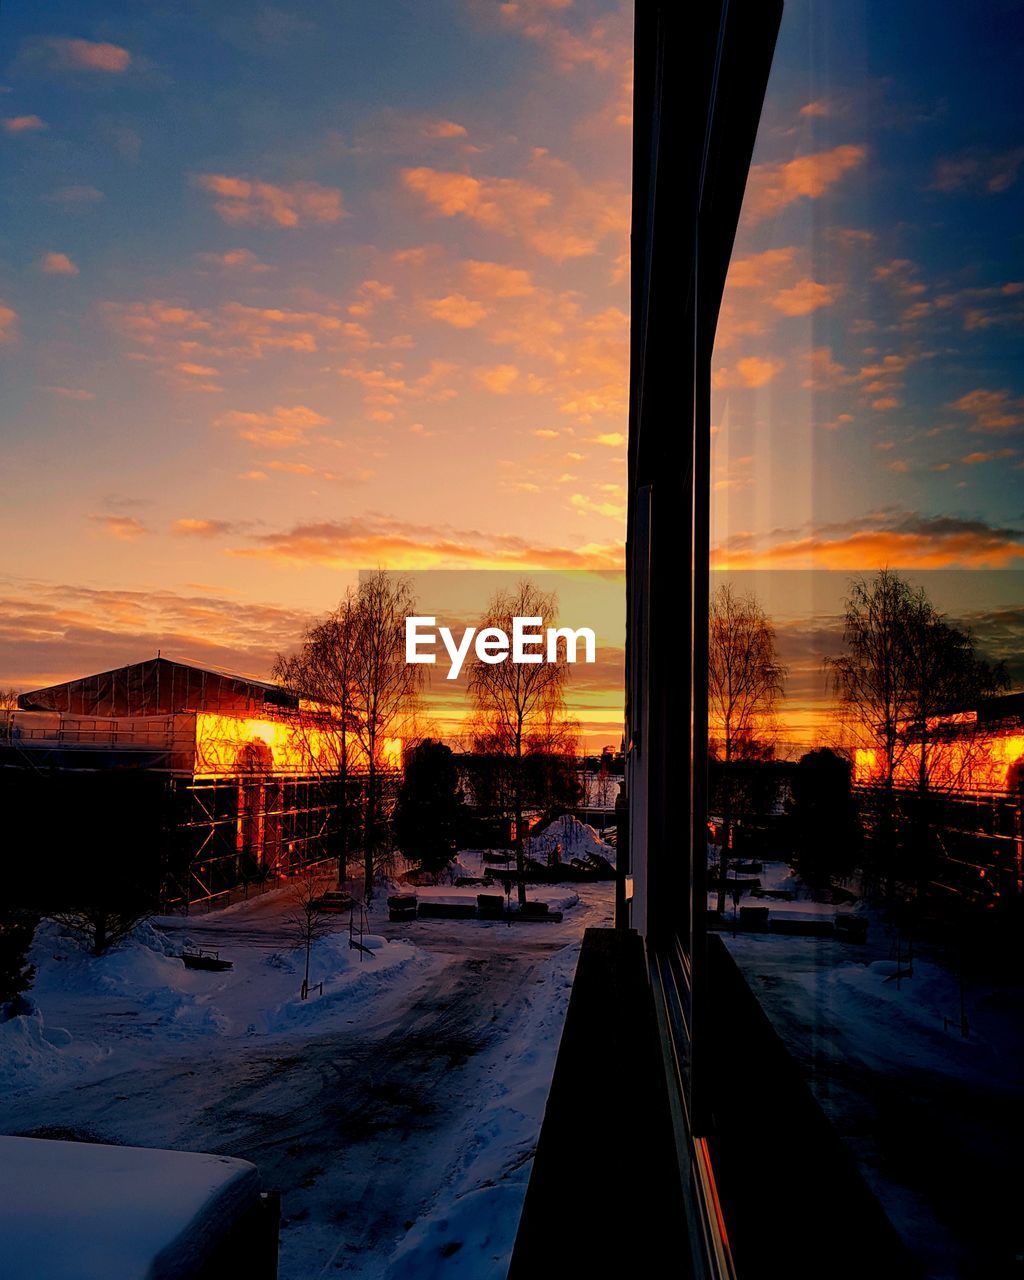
[32,1054]
[577,840]
[141,990]
[468,1232]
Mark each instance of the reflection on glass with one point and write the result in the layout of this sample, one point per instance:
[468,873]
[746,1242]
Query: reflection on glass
[868,598]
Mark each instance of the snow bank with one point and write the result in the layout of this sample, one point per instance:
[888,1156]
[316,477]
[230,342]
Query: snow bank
[468,1232]
[142,992]
[32,1054]
[576,838]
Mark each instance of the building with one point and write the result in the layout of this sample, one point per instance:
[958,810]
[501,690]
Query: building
[250,772]
[968,768]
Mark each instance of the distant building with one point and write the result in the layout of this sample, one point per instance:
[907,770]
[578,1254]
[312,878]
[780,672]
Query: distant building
[973,774]
[252,771]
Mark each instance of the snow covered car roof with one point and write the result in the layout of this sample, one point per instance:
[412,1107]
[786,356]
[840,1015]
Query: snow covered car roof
[79,1211]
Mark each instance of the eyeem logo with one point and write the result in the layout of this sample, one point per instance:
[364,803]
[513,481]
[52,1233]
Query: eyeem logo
[530,642]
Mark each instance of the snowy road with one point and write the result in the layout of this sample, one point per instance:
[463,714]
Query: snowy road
[365,1125]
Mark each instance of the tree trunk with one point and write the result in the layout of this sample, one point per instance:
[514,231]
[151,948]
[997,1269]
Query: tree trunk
[370,831]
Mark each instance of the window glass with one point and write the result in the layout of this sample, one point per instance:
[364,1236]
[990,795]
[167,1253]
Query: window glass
[866,725]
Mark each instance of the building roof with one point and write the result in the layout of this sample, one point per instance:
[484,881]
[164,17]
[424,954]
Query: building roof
[159,686]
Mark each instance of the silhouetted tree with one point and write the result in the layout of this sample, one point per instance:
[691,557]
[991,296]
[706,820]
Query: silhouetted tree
[518,704]
[905,668]
[824,821]
[428,810]
[17,929]
[745,682]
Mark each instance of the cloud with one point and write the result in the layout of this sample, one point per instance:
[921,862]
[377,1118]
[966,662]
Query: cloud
[903,540]
[758,270]
[64,54]
[774,187]
[444,129]
[281,426]
[978,457]
[387,389]
[24,124]
[815,109]
[979,170]
[124,528]
[71,393]
[194,528]
[57,264]
[566,219]
[992,411]
[804,297]
[374,539]
[50,632]
[235,260]
[751,371]
[457,310]
[75,197]
[244,200]
[8,324]
[500,379]
[498,281]
[172,331]
[602,46]
[612,439]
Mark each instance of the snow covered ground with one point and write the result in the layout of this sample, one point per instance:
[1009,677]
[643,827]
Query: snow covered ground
[396,1111]
[930,1115]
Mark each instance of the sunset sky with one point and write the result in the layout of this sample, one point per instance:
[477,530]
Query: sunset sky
[291,290]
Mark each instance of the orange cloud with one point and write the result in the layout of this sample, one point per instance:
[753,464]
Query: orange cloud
[495,280]
[500,379]
[24,124]
[57,264]
[377,539]
[282,426]
[757,270]
[87,55]
[202,528]
[973,459]
[804,297]
[8,324]
[244,200]
[751,371]
[53,633]
[124,528]
[444,129]
[235,260]
[992,411]
[571,226]
[905,541]
[774,187]
[457,310]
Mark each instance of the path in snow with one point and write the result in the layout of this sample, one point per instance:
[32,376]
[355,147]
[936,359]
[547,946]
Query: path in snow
[361,1125]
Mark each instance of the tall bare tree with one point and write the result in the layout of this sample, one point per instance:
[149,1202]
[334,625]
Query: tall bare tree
[351,666]
[745,682]
[323,673]
[519,704]
[384,687]
[904,670]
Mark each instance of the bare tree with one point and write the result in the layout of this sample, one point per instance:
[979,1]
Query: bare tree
[904,680]
[745,682]
[8,705]
[384,689]
[306,923]
[519,705]
[322,673]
